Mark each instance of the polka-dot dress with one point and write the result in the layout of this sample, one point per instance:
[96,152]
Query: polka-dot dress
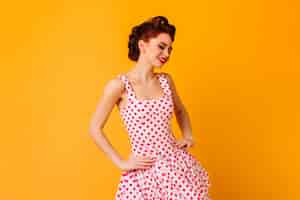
[176,174]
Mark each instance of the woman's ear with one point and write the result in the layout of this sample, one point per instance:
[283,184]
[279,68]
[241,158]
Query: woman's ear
[141,45]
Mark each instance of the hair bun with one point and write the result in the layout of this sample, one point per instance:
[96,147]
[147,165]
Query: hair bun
[159,20]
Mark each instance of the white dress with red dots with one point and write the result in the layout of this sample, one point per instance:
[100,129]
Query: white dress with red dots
[176,174]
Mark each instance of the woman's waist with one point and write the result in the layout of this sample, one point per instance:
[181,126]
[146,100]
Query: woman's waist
[154,150]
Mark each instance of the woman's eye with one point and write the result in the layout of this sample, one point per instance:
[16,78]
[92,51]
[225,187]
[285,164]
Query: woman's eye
[161,47]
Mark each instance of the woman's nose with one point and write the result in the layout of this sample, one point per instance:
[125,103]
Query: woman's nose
[166,54]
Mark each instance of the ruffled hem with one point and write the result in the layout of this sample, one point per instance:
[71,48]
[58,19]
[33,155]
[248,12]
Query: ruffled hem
[175,177]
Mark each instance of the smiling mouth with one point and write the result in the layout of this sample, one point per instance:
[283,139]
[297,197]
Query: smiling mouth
[162,60]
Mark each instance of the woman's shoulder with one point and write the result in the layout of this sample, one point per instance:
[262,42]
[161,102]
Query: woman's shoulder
[115,84]
[164,74]
[167,76]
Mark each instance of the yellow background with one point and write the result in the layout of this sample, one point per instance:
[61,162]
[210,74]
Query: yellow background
[235,64]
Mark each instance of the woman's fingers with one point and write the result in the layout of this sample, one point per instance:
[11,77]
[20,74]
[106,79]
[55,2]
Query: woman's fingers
[144,162]
[143,159]
[144,166]
[182,143]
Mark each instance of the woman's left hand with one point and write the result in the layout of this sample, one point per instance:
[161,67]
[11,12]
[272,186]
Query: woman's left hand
[185,143]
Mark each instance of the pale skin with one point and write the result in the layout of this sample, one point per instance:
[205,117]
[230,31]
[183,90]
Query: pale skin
[145,86]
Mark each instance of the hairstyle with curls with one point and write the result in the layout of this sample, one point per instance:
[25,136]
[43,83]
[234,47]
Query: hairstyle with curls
[146,30]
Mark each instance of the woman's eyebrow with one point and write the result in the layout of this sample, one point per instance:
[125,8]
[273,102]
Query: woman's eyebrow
[164,43]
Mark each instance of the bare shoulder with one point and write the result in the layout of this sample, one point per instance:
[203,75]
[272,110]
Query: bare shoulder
[111,94]
[114,86]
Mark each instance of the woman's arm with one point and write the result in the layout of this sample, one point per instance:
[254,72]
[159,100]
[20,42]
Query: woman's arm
[111,94]
[181,113]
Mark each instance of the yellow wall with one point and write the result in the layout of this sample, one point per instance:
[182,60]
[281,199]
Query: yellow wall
[235,64]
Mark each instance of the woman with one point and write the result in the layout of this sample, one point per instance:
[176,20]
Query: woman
[159,167]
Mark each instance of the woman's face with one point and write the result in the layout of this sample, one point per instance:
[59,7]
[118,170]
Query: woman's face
[158,49]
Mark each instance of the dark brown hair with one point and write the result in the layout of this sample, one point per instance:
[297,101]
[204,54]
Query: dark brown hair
[148,29]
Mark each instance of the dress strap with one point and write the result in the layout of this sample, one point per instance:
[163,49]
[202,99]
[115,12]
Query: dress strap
[165,84]
[128,89]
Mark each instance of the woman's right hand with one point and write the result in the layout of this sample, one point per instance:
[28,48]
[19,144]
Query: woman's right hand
[137,162]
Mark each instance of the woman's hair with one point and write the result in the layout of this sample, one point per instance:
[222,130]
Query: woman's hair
[148,29]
